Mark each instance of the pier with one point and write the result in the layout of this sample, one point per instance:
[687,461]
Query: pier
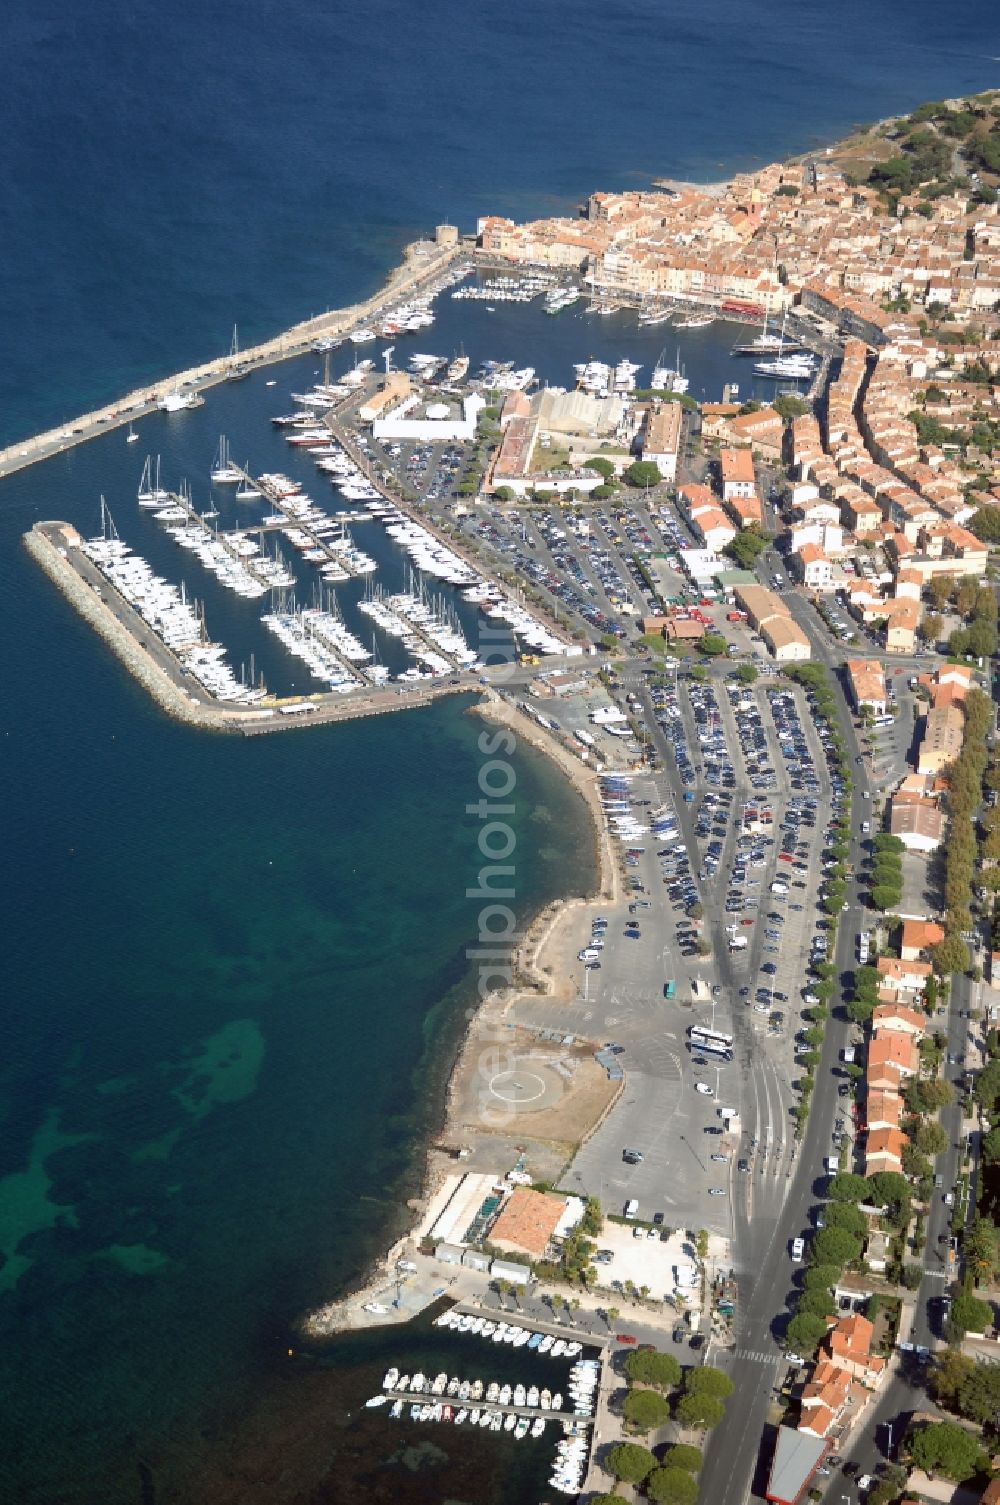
[531,1413]
[55,547]
[332,554]
[424,263]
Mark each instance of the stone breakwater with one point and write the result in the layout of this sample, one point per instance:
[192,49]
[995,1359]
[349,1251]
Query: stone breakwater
[423,264]
[50,543]
[98,615]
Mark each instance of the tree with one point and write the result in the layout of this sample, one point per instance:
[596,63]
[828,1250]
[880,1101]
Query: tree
[746,674]
[672,1486]
[642,473]
[684,1455]
[845,1215]
[970,1315]
[932,1140]
[987,1088]
[929,629]
[787,404]
[835,1246]
[939,588]
[746,548]
[712,644]
[845,1187]
[708,1381]
[980,1250]
[593,1219]
[942,1447]
[924,1096]
[699,1410]
[886,898]
[951,1369]
[818,1303]
[630,1462]
[912,1276]
[645,1409]
[821,1277]
[979,1395]
[804,1332]
[951,955]
[653,1368]
[892,1190]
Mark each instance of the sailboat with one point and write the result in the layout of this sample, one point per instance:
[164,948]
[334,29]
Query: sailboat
[236,372]
[131,437]
[247,491]
[769,344]
[151,493]
[224,472]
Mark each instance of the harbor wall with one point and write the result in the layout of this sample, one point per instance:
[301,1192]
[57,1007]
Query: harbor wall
[98,615]
[423,262]
[174,697]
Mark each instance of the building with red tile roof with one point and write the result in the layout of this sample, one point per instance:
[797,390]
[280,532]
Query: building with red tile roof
[527,1222]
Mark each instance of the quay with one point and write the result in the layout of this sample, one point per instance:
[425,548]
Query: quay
[424,1397]
[55,547]
[424,264]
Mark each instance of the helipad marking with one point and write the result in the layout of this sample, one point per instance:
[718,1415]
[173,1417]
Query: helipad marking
[518,1091]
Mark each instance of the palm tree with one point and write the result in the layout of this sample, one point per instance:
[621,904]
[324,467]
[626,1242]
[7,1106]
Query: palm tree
[503,1287]
[611,1316]
[575,1303]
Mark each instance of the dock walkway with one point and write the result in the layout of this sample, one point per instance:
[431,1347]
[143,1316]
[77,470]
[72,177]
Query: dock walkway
[424,264]
[425,1398]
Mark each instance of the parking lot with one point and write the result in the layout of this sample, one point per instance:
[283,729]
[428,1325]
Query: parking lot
[722,852]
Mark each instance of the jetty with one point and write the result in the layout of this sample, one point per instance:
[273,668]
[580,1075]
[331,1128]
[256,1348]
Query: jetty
[56,547]
[425,264]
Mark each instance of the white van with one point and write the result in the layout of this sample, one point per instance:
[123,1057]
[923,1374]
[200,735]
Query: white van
[798,1249]
[631,1208]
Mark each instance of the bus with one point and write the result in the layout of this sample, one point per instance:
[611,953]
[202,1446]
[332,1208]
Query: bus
[712,1041]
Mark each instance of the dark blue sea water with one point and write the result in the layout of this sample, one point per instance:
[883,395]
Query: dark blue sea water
[233,970]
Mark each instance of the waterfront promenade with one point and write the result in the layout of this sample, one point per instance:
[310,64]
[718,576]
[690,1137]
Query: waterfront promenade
[424,263]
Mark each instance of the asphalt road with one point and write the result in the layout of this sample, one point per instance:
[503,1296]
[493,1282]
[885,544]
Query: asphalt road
[737,1466]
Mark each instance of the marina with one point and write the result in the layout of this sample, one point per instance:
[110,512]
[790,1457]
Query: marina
[524,1409]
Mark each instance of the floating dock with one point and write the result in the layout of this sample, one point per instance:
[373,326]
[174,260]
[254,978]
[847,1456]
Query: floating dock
[56,548]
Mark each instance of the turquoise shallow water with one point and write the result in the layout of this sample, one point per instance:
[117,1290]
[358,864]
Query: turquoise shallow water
[223,1030]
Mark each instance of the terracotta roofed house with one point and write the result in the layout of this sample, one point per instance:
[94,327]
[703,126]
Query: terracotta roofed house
[895,1016]
[738,478]
[867,679]
[883,1110]
[891,1059]
[918,823]
[884,1150]
[910,977]
[849,1345]
[918,937]
[527,1222]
